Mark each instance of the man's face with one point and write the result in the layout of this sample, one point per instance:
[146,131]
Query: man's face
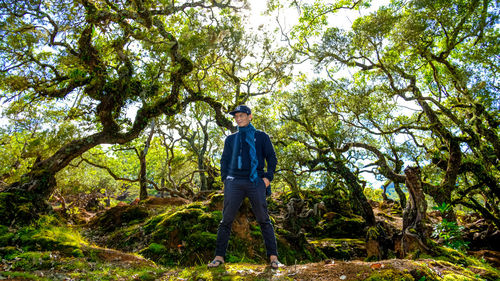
[242,119]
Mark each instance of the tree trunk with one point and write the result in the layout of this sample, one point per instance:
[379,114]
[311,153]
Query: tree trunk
[401,195]
[203,177]
[357,192]
[40,181]
[143,181]
[143,184]
[415,234]
[453,162]
[384,191]
[373,236]
[36,186]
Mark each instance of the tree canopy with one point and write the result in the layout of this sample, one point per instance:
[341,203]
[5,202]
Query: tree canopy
[138,92]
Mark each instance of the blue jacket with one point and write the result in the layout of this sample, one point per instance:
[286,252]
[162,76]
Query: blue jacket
[265,152]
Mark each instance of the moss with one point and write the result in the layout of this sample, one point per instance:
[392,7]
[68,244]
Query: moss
[46,234]
[10,275]
[5,236]
[121,215]
[94,269]
[200,240]
[341,249]
[16,209]
[8,252]
[151,223]
[197,205]
[216,201]
[453,271]
[50,238]
[390,275]
[160,254]
[78,253]
[372,233]
[30,261]
[340,226]
[187,236]
[127,238]
[456,257]
[155,248]
[422,271]
[295,248]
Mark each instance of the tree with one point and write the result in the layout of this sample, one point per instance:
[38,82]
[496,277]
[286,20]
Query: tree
[141,155]
[406,55]
[322,135]
[108,58]
[440,59]
[197,136]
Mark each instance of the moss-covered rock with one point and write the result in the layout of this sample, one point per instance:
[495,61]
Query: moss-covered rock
[119,216]
[16,209]
[186,236]
[216,201]
[341,249]
[338,226]
[294,248]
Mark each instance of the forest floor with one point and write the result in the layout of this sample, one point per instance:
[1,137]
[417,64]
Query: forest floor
[100,263]
[116,265]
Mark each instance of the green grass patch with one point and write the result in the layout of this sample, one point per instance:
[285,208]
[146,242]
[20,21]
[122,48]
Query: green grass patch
[14,275]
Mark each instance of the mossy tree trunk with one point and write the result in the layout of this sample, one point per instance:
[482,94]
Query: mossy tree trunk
[374,236]
[401,195]
[450,164]
[357,192]
[414,234]
[143,181]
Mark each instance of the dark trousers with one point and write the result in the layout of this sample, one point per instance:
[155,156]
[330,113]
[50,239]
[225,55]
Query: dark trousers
[235,190]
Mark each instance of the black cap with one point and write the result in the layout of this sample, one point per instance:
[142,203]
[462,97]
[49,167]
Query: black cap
[241,108]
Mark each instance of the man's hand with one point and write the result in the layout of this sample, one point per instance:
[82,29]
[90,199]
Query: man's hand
[266,181]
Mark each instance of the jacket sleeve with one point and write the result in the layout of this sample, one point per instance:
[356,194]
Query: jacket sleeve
[226,158]
[270,156]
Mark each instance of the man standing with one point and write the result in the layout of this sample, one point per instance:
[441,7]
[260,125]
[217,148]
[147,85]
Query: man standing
[242,171]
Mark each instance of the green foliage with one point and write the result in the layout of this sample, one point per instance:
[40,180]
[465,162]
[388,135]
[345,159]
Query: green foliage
[450,232]
[406,91]
[374,194]
[340,226]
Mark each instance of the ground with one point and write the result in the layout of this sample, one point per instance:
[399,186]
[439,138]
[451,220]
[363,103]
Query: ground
[54,252]
[119,266]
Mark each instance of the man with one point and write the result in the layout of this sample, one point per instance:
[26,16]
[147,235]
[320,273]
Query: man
[242,171]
